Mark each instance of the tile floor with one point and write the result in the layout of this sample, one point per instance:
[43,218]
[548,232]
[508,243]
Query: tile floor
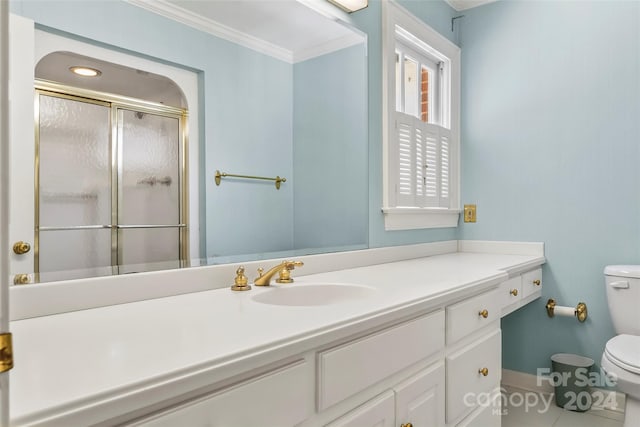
[540,413]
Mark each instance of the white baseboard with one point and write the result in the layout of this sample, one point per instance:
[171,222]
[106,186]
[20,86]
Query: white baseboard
[525,381]
[612,405]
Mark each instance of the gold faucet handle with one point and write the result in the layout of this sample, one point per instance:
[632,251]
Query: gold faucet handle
[284,274]
[290,265]
[241,281]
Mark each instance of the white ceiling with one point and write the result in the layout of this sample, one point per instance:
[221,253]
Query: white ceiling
[288,29]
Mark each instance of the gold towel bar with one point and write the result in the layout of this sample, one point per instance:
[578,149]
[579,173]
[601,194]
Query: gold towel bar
[277,179]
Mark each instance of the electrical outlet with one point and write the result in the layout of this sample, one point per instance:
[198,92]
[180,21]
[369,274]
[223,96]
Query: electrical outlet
[469,213]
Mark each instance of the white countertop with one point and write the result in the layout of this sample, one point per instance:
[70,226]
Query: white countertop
[121,357]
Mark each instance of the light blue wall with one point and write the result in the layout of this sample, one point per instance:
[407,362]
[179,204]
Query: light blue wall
[550,153]
[237,86]
[330,150]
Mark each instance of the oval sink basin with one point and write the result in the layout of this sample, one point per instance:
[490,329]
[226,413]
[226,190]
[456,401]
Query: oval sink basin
[316,294]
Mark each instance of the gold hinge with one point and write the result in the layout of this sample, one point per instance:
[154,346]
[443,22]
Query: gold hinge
[6,352]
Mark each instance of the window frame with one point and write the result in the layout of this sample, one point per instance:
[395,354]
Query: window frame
[415,217]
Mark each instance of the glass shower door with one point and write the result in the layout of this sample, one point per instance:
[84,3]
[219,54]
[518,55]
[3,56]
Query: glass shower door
[150,228]
[73,212]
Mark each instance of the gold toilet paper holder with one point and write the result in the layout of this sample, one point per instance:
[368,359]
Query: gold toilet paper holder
[580,311]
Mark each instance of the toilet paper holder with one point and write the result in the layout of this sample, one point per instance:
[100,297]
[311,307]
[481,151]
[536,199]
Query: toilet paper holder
[579,311]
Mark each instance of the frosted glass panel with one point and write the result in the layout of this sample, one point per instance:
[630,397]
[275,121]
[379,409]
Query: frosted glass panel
[85,252]
[150,168]
[75,180]
[149,248]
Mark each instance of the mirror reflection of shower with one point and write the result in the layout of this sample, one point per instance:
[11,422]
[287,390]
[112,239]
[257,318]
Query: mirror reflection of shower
[111,182]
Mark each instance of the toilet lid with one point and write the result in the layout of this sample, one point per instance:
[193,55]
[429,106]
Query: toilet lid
[624,351]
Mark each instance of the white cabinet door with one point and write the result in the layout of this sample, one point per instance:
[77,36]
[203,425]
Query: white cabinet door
[378,412]
[420,399]
[471,371]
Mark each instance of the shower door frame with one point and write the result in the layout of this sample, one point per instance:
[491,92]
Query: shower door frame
[115,103]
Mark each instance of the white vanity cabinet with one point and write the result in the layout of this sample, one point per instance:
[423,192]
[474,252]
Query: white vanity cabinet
[425,352]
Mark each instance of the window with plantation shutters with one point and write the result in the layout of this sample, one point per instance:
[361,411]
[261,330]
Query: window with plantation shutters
[423,163]
[421,84]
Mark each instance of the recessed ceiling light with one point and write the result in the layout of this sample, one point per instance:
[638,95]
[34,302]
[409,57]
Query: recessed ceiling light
[85,71]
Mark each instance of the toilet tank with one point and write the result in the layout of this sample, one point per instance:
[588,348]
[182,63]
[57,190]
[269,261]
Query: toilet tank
[623,295]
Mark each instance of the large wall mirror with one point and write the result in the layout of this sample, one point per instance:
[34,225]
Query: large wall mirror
[121,176]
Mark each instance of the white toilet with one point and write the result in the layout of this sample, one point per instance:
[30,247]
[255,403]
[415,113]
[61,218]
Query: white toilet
[621,357]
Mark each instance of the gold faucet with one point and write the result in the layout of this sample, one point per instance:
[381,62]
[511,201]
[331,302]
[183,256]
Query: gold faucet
[284,273]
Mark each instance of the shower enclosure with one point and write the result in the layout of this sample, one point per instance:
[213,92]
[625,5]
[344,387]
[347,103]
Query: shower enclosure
[110,184]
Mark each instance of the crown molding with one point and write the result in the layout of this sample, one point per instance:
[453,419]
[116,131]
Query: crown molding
[328,47]
[193,20]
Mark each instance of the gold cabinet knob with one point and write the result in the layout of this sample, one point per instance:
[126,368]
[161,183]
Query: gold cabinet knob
[406,425]
[20,248]
[483,371]
[514,292]
[536,282]
[21,279]
[484,313]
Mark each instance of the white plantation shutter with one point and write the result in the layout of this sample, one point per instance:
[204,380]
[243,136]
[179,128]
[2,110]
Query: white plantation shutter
[445,167]
[423,153]
[405,174]
[431,171]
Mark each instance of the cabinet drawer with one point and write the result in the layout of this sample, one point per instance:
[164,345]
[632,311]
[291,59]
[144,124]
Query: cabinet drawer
[466,317]
[281,398]
[510,291]
[531,282]
[464,379]
[352,367]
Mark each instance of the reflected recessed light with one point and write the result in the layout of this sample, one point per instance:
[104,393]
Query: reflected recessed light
[85,71]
